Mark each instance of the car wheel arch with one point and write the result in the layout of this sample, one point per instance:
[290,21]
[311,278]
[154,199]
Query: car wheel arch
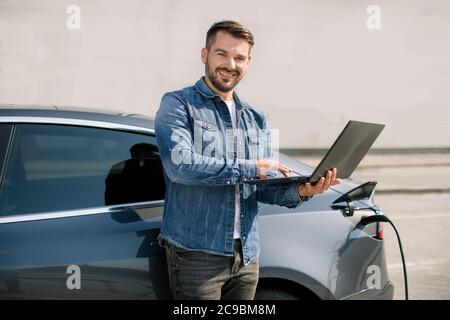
[294,282]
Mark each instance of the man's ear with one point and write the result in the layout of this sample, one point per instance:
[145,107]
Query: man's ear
[204,55]
[249,59]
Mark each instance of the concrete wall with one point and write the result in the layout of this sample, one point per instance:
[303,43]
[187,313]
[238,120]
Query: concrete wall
[315,63]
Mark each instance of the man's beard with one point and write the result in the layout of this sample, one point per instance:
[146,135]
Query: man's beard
[219,84]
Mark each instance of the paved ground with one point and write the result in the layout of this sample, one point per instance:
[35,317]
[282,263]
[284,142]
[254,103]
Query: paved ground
[414,191]
[423,222]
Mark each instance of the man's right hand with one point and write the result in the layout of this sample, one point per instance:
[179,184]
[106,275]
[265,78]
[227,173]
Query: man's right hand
[263,166]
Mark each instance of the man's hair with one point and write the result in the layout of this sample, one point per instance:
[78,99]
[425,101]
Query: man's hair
[234,28]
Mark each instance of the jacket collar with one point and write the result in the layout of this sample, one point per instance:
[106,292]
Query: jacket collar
[206,91]
[203,88]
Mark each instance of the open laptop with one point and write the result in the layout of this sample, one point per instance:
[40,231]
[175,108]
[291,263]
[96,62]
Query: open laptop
[345,154]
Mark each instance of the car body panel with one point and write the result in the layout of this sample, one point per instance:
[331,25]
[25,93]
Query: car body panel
[330,251]
[116,250]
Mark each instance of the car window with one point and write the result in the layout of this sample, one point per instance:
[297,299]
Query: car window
[58,167]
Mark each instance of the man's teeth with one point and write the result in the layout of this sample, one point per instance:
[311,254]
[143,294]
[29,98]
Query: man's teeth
[226,73]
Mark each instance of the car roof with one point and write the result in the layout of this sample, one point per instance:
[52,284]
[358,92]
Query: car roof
[76,115]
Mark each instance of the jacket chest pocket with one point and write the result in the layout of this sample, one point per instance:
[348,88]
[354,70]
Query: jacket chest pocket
[205,125]
[253,139]
[255,145]
[206,137]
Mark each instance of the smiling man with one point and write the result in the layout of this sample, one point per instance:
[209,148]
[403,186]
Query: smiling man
[210,141]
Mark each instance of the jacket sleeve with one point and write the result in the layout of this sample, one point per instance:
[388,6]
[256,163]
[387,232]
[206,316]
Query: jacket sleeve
[175,140]
[282,194]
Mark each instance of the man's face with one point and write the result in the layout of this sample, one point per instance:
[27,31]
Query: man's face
[226,61]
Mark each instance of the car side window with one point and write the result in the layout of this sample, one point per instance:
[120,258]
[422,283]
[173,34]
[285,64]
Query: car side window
[59,167]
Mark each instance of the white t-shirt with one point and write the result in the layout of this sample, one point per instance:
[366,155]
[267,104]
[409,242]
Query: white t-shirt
[237,212]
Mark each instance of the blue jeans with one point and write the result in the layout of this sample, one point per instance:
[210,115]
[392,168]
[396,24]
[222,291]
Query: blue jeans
[203,276]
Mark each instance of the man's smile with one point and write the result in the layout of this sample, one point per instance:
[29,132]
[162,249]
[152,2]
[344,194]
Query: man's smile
[227,74]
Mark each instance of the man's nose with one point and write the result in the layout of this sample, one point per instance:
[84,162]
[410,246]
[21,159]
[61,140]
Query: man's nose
[231,64]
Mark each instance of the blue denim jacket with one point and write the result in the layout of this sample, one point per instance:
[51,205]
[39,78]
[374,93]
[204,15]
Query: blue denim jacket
[200,179]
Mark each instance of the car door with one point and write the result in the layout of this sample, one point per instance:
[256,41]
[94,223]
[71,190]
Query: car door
[80,212]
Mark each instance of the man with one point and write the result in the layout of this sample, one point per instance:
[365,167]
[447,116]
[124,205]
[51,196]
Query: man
[210,141]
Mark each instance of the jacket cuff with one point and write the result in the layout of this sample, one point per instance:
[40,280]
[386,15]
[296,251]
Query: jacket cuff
[248,169]
[294,195]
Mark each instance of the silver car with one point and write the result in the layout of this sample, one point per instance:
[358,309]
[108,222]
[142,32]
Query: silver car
[81,201]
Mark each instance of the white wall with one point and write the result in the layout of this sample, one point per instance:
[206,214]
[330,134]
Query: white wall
[315,63]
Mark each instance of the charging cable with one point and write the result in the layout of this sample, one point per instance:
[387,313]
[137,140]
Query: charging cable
[382,218]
